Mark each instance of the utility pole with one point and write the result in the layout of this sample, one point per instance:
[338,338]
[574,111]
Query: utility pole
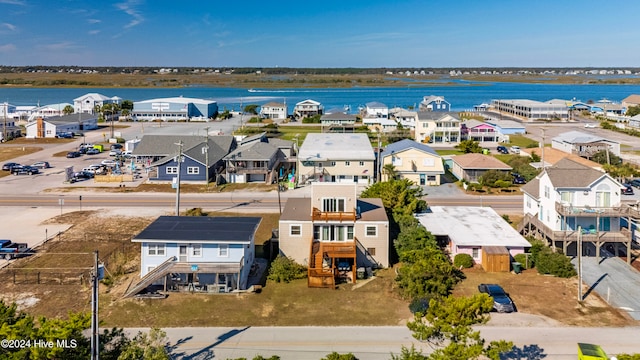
[579,263]
[379,159]
[178,161]
[95,336]
[205,149]
[4,125]
[542,155]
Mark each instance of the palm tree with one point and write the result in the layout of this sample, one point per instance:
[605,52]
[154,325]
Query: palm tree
[68,110]
[390,171]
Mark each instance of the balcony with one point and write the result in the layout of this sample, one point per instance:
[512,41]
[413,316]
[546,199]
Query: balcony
[340,216]
[247,170]
[591,211]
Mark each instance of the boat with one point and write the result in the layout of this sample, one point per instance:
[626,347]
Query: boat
[252,90]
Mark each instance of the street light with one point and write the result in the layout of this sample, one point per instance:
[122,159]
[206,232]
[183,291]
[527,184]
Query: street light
[178,161]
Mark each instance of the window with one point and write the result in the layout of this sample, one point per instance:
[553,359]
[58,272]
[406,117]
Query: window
[347,163]
[546,191]
[223,250]
[475,252]
[172,169]
[295,230]
[193,170]
[156,250]
[566,197]
[431,178]
[196,250]
[361,163]
[396,161]
[371,230]
[333,204]
[371,251]
[428,162]
[333,163]
[349,232]
[528,202]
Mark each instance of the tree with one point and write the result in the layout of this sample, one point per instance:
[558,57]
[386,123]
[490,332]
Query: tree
[492,177]
[398,196]
[633,111]
[126,105]
[390,171]
[606,157]
[285,269]
[623,171]
[68,110]
[427,273]
[251,109]
[448,325]
[146,346]
[469,146]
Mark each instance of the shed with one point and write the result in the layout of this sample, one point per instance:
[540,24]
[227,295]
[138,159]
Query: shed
[496,259]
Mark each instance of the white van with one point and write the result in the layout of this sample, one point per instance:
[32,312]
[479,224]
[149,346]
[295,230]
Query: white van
[515,149]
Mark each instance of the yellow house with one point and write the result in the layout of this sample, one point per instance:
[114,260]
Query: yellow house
[414,161]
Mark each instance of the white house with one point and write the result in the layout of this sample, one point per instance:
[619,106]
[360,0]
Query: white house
[376,109]
[569,196]
[88,102]
[273,110]
[54,126]
[201,253]
[46,111]
[584,144]
[307,108]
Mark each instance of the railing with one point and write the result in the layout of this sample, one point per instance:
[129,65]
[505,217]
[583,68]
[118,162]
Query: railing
[591,211]
[340,216]
[572,235]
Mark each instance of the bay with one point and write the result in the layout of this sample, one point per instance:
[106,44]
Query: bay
[462,95]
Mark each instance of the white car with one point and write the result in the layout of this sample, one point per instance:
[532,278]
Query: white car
[592,126]
[515,149]
[109,162]
[115,152]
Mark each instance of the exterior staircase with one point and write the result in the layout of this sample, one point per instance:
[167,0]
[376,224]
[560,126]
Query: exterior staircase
[153,275]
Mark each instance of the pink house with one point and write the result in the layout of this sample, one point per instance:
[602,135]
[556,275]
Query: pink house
[478,131]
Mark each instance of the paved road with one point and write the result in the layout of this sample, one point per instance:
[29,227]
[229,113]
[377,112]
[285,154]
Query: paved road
[373,343]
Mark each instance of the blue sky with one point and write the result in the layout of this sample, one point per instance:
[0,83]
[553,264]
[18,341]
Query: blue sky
[328,33]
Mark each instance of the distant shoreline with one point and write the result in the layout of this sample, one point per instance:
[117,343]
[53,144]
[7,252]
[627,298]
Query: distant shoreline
[291,81]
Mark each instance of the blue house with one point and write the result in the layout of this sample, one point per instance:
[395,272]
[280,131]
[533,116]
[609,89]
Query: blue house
[196,253]
[434,103]
[202,157]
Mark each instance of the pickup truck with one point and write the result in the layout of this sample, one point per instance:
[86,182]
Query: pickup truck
[10,250]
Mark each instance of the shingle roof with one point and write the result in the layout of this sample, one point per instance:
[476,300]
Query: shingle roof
[632,99]
[70,119]
[338,116]
[479,161]
[200,228]
[165,145]
[407,144]
[532,188]
[567,173]
[253,151]
[436,115]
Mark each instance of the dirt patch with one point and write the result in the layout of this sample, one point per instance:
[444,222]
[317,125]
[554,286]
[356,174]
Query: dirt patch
[548,296]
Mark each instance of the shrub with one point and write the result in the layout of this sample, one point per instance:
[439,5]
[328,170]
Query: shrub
[554,263]
[463,260]
[502,184]
[195,212]
[536,247]
[284,269]
[336,356]
[522,259]
[419,305]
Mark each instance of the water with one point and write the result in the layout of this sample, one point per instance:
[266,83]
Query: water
[462,95]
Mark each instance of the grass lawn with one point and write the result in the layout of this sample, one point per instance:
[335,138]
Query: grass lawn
[290,132]
[522,141]
[449,152]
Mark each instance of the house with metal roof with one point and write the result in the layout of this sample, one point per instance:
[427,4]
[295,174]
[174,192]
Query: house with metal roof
[196,253]
[174,109]
[337,118]
[434,103]
[375,109]
[584,144]
[571,202]
[259,159]
[335,157]
[414,161]
[47,111]
[471,167]
[334,233]
[472,230]
[202,157]
[478,131]
[526,109]
[87,103]
[55,126]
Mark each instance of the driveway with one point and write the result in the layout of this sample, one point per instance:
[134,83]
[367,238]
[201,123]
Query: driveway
[614,281]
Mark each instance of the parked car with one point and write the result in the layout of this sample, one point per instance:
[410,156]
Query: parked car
[81,175]
[24,170]
[501,300]
[634,182]
[73,154]
[515,149]
[109,162]
[41,165]
[92,151]
[115,152]
[518,179]
[8,166]
[626,190]
[65,135]
[115,147]
[502,149]
[590,125]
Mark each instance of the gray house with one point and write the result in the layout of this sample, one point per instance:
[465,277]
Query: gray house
[202,157]
[259,159]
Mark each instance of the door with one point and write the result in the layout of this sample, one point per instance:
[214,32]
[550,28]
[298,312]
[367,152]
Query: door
[423,180]
[182,253]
